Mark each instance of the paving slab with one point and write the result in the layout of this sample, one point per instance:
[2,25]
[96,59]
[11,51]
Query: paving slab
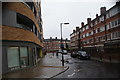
[48,67]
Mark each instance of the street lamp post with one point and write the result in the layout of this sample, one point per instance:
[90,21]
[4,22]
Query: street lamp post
[61,42]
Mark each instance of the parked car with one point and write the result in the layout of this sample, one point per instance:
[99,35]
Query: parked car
[83,55]
[74,54]
[64,51]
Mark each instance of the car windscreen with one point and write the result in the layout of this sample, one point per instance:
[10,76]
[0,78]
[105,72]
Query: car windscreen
[83,53]
[64,51]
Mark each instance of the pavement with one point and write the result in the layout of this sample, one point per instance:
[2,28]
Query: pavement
[48,67]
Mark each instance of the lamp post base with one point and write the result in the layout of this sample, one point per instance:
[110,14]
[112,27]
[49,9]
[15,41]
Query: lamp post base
[62,60]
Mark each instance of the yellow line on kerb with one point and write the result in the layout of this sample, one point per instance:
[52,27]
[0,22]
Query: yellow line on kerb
[54,66]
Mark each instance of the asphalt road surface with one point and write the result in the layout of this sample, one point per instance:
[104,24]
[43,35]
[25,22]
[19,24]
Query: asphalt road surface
[89,69]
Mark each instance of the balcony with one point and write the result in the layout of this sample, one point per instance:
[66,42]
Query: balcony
[24,27]
[21,19]
[29,4]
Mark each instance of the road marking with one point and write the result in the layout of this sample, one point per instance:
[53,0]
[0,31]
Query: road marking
[71,75]
[77,70]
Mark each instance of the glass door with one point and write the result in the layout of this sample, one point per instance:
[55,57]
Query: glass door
[13,58]
[23,57]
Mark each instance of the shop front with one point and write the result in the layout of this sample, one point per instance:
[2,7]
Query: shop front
[19,55]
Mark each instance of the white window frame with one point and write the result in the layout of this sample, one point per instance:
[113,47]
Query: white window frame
[107,26]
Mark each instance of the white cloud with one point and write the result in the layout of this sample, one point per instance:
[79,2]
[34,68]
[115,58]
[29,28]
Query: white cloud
[56,11]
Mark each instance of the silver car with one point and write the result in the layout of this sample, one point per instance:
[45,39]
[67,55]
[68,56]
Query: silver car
[83,55]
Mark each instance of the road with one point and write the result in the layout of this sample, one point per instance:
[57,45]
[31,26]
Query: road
[89,69]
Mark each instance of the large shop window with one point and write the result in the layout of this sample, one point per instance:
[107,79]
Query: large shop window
[23,56]
[13,58]
[18,57]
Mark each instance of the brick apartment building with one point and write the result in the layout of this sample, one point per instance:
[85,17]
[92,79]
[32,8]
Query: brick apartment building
[53,44]
[101,36]
[22,35]
[74,39]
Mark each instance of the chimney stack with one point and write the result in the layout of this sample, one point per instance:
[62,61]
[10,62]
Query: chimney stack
[82,24]
[96,15]
[55,37]
[88,20]
[66,39]
[118,3]
[73,31]
[102,10]
[50,38]
[77,28]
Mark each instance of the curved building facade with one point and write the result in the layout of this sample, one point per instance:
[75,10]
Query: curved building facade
[22,35]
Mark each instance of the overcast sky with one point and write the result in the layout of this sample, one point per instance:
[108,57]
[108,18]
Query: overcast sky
[55,12]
